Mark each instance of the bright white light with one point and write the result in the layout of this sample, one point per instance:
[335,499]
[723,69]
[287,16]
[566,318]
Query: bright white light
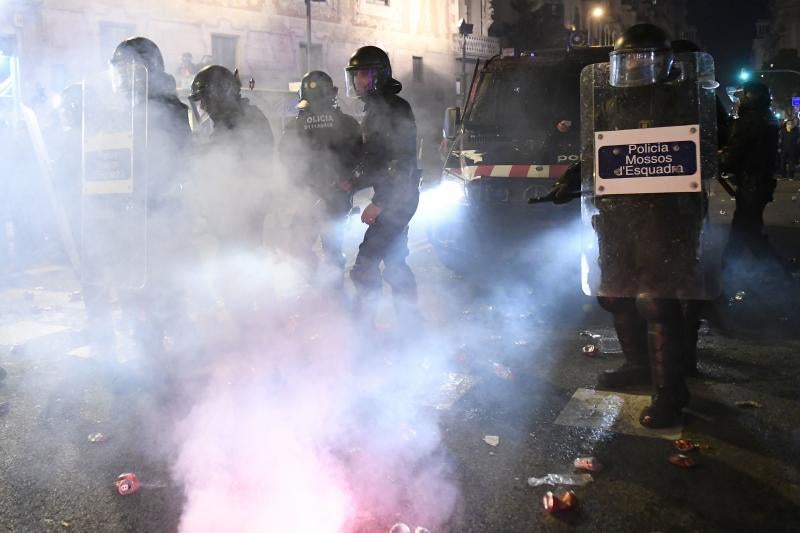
[451,192]
[438,202]
[597,12]
[55,101]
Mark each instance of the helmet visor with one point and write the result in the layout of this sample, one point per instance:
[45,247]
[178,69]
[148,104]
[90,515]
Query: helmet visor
[129,78]
[361,81]
[639,67]
[199,119]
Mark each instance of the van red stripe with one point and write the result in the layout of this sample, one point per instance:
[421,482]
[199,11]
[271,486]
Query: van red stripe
[484,170]
[556,171]
[519,171]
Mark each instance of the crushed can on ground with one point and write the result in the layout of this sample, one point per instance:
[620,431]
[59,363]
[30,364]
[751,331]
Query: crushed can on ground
[127,484]
[683,461]
[685,445]
[590,464]
[554,503]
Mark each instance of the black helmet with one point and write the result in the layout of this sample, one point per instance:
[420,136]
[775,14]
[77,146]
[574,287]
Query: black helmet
[368,72]
[215,82]
[642,56]
[140,50]
[217,90]
[316,87]
[755,96]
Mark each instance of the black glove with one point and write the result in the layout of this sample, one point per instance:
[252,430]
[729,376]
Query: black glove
[567,186]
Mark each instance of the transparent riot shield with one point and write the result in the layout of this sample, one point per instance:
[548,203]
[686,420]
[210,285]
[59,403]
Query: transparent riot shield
[648,157]
[114,250]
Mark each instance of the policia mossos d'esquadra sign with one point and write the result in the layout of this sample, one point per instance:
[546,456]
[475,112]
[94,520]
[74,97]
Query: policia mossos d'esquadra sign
[648,155]
[648,160]
[114,208]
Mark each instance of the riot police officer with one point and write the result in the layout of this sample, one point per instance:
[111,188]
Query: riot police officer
[239,152]
[647,234]
[157,304]
[320,148]
[388,163]
[217,91]
[788,144]
[750,157]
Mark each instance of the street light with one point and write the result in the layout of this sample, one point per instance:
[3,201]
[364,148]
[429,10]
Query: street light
[597,13]
[464,29]
[308,33]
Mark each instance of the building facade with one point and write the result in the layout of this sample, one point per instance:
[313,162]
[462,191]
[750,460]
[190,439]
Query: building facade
[58,40]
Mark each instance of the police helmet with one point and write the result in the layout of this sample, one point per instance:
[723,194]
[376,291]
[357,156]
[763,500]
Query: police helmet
[368,72]
[216,83]
[139,50]
[755,96]
[316,88]
[642,56]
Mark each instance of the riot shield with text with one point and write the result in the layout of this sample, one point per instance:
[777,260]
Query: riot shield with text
[648,156]
[114,180]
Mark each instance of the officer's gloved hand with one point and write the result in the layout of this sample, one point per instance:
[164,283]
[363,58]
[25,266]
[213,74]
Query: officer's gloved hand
[370,214]
[568,186]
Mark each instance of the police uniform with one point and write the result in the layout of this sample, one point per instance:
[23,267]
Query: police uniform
[320,149]
[388,164]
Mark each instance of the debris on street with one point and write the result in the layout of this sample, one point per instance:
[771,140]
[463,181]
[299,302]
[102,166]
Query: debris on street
[127,484]
[97,437]
[590,350]
[554,503]
[491,440]
[502,371]
[578,480]
[683,461]
[590,464]
[749,404]
[685,445]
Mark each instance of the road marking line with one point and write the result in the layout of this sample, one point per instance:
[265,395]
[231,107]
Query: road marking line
[611,411]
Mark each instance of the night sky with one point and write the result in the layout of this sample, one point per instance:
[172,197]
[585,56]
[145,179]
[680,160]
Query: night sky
[726,28]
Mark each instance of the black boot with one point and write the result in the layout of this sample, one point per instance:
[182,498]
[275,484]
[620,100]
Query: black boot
[665,339]
[632,334]
[691,325]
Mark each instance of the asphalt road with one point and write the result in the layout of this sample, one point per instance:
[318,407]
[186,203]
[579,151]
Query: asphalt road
[440,427]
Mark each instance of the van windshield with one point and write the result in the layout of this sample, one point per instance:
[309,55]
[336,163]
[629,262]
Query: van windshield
[529,101]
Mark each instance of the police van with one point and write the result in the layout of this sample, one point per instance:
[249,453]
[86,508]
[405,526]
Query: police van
[518,132]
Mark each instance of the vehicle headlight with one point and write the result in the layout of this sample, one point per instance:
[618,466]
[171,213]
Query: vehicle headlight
[452,190]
